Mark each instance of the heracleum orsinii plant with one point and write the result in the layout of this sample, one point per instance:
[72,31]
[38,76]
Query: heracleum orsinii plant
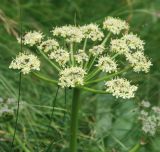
[80,53]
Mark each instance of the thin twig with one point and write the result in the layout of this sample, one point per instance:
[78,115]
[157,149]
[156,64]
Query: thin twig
[53,105]
[20,80]
[17,112]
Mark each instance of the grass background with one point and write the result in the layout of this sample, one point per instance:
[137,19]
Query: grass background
[106,125]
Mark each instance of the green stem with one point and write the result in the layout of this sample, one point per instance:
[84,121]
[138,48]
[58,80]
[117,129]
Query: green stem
[107,77]
[54,65]
[114,56]
[92,74]
[92,62]
[44,78]
[94,90]
[72,53]
[135,148]
[84,49]
[74,120]
[86,64]
[85,43]
[106,39]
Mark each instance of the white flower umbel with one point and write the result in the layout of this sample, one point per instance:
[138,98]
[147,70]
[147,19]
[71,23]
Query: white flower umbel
[145,104]
[81,56]
[107,64]
[138,61]
[49,45]
[26,63]
[120,87]
[70,77]
[150,125]
[60,56]
[97,50]
[156,109]
[149,117]
[70,33]
[92,31]
[133,42]
[64,54]
[143,114]
[119,46]
[115,25]
[32,38]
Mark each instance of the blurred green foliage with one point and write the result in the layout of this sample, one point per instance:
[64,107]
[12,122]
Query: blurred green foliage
[106,125]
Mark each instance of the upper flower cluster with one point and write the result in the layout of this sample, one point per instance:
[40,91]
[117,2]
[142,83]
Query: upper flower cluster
[69,33]
[92,31]
[77,34]
[32,38]
[132,47]
[80,53]
[115,25]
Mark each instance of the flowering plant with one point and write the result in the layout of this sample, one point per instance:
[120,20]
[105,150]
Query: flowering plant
[86,55]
